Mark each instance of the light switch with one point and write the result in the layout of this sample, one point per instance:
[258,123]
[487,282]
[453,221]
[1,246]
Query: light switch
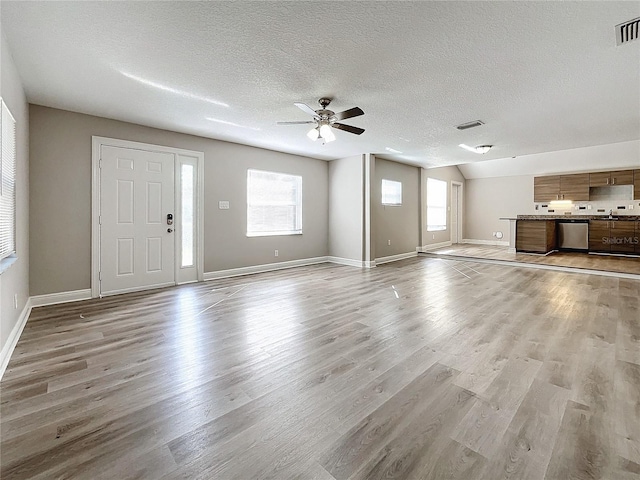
[223,204]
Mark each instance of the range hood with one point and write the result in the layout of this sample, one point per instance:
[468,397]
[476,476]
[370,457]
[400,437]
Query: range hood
[611,192]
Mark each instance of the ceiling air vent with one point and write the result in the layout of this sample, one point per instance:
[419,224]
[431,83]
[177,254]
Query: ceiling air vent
[475,123]
[628,31]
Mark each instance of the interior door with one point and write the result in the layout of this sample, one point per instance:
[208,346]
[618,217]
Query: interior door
[137,244]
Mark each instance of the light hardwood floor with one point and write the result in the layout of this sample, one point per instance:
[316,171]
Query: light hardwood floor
[421,369]
[607,263]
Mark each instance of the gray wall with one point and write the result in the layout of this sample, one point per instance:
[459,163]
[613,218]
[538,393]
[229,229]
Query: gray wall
[60,183]
[346,208]
[488,199]
[16,279]
[447,174]
[400,224]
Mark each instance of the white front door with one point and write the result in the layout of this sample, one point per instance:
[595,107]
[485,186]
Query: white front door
[136,243]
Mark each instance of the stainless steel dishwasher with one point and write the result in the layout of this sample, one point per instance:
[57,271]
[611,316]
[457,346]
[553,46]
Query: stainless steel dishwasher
[573,235]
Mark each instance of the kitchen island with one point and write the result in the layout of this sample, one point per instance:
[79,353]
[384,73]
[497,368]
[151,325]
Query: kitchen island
[616,235]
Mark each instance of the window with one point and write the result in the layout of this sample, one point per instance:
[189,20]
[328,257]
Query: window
[186,214]
[7,183]
[391,192]
[274,203]
[436,205]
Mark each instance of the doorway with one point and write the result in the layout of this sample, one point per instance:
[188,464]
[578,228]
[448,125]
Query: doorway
[146,216]
[456,212]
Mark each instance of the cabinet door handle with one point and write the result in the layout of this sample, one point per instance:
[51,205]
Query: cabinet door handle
[607,181]
[613,182]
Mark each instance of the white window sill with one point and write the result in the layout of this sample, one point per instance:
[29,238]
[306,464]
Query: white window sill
[271,234]
[5,263]
[442,229]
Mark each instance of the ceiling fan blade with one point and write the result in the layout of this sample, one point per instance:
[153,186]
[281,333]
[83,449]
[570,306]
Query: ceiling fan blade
[306,108]
[348,128]
[295,123]
[352,112]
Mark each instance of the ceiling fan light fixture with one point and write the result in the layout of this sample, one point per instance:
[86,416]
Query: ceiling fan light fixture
[313,134]
[326,133]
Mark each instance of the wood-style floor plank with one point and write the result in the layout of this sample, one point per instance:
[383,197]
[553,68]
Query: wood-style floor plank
[427,368]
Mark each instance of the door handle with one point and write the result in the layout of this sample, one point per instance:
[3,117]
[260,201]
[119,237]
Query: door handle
[169,230]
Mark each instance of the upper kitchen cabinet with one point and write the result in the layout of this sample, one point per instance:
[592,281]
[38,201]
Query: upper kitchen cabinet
[636,184]
[561,187]
[546,189]
[574,187]
[607,179]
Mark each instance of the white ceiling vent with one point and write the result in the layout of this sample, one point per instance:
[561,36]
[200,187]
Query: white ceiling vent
[628,31]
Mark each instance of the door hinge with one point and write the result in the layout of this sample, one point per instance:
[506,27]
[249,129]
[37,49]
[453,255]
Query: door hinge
[100,276]
[100,163]
[99,219]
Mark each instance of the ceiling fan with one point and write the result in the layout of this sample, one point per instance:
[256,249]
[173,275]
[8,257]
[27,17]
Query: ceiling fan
[325,119]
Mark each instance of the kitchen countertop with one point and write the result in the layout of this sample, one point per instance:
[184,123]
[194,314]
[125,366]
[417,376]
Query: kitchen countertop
[629,218]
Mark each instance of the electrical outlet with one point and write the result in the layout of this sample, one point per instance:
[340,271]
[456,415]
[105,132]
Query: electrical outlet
[275,253]
[15,301]
[630,207]
[388,242]
[434,236]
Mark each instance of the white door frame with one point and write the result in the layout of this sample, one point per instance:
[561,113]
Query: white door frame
[96,144]
[460,198]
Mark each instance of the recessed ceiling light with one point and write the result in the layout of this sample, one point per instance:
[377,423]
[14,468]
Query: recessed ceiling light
[392,150]
[481,149]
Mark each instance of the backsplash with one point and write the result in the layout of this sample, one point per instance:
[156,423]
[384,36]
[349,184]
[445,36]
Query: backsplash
[619,207]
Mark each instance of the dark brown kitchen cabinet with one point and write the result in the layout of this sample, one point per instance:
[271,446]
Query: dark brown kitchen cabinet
[535,236]
[622,236]
[607,179]
[546,189]
[637,238]
[636,184]
[599,236]
[561,187]
[574,187]
[612,236]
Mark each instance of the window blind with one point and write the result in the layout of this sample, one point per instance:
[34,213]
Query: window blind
[274,203]
[391,192]
[7,183]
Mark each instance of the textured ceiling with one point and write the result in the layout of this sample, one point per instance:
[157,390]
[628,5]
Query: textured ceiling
[543,76]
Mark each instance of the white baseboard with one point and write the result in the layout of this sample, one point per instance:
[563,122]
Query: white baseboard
[433,246]
[395,258]
[14,336]
[346,261]
[351,262]
[61,297]
[267,267]
[496,243]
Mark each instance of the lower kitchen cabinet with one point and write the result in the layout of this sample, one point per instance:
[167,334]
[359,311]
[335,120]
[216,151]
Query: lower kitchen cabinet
[612,236]
[622,236]
[599,236]
[637,237]
[535,236]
